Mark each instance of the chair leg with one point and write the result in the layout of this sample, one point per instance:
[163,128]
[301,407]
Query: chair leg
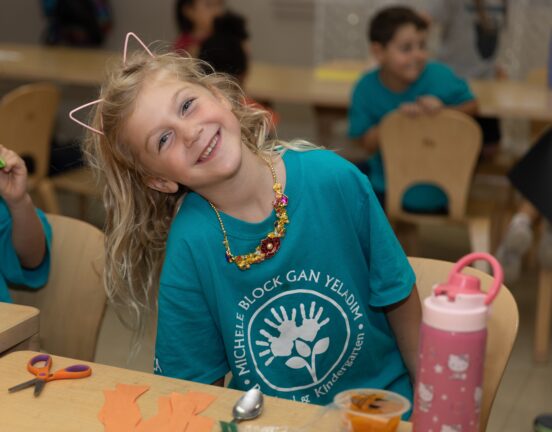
[480,239]
[48,196]
[543,316]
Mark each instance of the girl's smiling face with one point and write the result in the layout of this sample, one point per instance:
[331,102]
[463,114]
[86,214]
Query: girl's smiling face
[183,133]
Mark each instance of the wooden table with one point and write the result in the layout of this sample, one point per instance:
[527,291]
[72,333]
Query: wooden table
[321,87]
[19,327]
[59,64]
[74,404]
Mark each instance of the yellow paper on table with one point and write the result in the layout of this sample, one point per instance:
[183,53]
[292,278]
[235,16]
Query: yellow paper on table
[347,71]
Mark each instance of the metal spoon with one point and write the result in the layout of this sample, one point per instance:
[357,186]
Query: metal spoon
[248,407]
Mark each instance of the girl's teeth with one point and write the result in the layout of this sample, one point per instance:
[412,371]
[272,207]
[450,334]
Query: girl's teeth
[209,149]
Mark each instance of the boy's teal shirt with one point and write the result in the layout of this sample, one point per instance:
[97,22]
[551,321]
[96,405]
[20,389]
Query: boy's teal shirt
[308,322]
[11,270]
[371,101]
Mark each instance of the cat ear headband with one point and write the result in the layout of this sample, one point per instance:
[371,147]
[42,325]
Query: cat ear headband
[97,102]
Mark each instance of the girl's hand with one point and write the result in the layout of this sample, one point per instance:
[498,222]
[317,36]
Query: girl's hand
[430,104]
[13,177]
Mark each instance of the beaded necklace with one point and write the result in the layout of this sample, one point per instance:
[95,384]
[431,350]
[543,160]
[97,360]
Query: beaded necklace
[271,243]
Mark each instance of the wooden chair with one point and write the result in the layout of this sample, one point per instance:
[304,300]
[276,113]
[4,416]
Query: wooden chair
[79,181]
[27,116]
[502,325]
[442,150]
[73,302]
[543,316]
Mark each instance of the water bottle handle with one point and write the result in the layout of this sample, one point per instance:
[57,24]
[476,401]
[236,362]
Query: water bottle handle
[497,271]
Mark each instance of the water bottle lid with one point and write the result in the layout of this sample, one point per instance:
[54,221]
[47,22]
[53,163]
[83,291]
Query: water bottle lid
[459,304]
[459,283]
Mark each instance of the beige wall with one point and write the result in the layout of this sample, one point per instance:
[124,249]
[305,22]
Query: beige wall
[20,21]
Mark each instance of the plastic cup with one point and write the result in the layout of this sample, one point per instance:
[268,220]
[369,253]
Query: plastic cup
[371,410]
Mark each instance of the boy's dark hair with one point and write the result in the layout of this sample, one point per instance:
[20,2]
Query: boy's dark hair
[184,24]
[386,22]
[224,50]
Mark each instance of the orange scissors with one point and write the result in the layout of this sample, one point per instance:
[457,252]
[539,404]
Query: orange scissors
[43,374]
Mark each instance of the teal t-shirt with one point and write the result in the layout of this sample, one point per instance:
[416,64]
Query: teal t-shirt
[11,270]
[371,101]
[304,324]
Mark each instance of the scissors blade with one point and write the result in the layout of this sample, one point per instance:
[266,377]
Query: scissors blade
[39,386]
[23,385]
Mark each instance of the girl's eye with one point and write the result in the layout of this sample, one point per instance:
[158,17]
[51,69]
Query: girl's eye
[163,140]
[186,105]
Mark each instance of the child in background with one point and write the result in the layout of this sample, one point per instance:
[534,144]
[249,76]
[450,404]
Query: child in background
[532,179]
[470,41]
[404,80]
[227,51]
[24,231]
[278,263]
[195,20]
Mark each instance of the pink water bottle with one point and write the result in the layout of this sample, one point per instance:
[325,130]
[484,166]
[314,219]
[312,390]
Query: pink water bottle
[453,335]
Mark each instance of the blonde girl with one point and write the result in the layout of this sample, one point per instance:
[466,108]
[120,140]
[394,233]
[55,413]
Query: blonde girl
[267,260]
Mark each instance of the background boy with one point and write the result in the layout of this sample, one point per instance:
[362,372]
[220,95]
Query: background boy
[404,80]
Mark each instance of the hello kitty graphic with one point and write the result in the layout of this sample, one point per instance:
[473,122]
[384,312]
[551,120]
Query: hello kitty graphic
[459,364]
[451,428]
[477,396]
[425,393]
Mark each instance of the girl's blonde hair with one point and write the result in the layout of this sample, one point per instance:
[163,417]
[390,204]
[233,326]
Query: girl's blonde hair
[137,217]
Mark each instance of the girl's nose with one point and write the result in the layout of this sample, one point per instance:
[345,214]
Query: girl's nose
[191,136]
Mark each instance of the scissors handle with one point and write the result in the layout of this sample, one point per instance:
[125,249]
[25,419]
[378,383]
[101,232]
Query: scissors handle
[41,372]
[69,372]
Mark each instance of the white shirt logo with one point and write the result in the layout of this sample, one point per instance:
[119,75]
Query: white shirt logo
[283,335]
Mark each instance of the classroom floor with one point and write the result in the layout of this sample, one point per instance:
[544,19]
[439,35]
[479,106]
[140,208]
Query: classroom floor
[526,389]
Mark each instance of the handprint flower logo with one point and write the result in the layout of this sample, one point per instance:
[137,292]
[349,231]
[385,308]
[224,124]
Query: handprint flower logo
[282,345]
[310,326]
[291,336]
[291,344]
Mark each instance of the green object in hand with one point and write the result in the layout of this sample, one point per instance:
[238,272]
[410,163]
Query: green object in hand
[2,163]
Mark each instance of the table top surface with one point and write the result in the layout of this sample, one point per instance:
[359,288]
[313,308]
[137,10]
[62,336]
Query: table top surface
[17,323]
[327,86]
[70,405]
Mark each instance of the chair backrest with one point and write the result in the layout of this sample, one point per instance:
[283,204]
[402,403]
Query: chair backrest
[439,149]
[27,117]
[502,324]
[73,302]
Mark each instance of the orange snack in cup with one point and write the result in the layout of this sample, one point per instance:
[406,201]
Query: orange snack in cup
[373,424]
[367,410]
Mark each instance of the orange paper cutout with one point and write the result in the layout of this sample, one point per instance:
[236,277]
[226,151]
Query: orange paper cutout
[120,412]
[176,413]
[161,420]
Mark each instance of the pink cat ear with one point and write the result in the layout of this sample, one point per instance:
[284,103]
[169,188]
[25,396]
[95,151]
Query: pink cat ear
[129,34]
[72,117]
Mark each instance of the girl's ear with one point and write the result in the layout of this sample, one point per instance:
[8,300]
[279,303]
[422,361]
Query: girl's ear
[160,184]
